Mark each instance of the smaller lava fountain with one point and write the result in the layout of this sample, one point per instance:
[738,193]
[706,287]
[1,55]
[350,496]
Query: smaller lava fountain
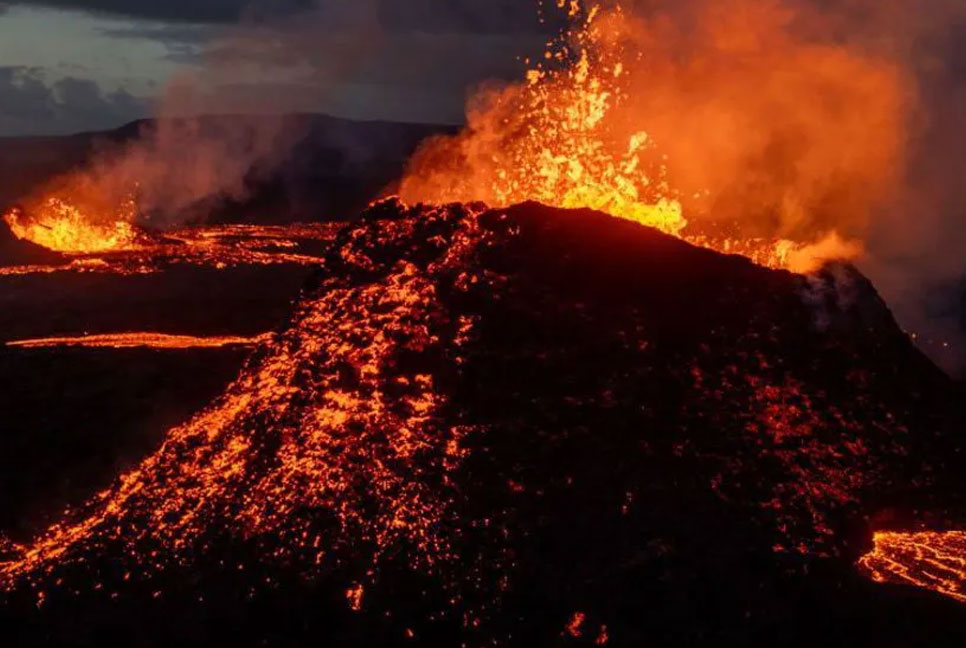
[62,226]
[121,247]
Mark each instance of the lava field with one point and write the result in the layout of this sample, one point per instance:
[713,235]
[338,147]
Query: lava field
[521,426]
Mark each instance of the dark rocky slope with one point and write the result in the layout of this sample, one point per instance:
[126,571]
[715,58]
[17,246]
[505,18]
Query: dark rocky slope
[527,427]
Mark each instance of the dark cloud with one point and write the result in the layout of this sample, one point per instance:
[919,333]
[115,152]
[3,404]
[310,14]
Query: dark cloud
[403,59]
[168,33]
[480,16]
[202,11]
[360,59]
[476,16]
[184,42]
[29,104]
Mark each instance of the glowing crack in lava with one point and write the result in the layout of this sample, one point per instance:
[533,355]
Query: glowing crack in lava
[700,133]
[62,226]
[139,340]
[933,560]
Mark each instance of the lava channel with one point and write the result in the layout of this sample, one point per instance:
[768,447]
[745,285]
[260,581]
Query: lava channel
[140,340]
[933,560]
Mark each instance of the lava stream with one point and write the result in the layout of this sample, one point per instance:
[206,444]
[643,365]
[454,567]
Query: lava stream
[202,479]
[218,246]
[933,560]
[140,340]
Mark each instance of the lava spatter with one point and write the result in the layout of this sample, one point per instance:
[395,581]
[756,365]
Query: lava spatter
[133,340]
[577,132]
[477,422]
[62,226]
[323,418]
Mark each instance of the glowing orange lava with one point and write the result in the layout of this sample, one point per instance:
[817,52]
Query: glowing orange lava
[218,246]
[576,624]
[346,446]
[549,141]
[62,226]
[576,133]
[933,560]
[341,445]
[139,340]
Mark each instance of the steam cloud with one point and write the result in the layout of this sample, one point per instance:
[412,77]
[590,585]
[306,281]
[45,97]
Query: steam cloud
[231,120]
[782,119]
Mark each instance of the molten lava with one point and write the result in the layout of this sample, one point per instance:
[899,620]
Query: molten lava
[550,141]
[139,340]
[928,559]
[459,390]
[712,133]
[62,226]
[340,445]
[219,246]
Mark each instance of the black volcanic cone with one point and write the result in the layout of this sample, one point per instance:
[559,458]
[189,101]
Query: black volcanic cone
[525,427]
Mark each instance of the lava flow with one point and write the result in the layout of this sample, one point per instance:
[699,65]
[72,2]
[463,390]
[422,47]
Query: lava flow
[139,340]
[459,390]
[217,246]
[933,560]
[496,417]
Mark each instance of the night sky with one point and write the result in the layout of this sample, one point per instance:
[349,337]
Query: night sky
[73,65]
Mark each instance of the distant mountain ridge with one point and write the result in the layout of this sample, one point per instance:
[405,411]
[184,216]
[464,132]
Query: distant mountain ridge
[337,167]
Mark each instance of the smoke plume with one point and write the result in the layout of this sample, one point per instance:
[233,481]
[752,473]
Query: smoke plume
[834,124]
[231,118]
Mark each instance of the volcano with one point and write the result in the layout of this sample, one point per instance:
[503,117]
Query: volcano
[525,427]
